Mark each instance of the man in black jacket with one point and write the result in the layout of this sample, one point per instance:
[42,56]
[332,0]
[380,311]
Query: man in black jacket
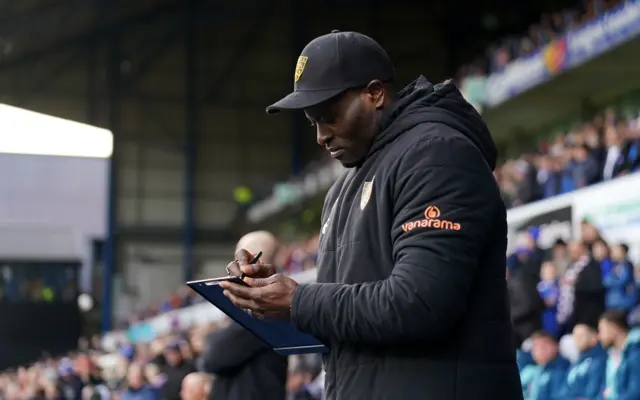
[411,294]
[245,367]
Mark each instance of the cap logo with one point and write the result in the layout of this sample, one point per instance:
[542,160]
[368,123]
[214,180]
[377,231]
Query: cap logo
[302,62]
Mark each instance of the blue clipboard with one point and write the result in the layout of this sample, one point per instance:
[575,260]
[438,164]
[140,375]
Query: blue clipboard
[281,336]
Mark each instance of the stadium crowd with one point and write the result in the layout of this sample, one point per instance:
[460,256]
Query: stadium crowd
[551,26]
[601,149]
[575,313]
[173,366]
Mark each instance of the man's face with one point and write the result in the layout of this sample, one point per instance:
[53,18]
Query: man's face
[583,337]
[544,350]
[347,124]
[606,333]
[576,250]
[173,356]
[559,251]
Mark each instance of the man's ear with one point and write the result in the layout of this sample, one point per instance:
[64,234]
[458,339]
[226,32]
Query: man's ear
[376,92]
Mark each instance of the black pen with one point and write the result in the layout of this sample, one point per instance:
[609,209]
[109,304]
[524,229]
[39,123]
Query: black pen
[254,260]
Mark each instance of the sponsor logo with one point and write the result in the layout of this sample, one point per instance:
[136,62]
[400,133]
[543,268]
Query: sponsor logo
[555,55]
[432,220]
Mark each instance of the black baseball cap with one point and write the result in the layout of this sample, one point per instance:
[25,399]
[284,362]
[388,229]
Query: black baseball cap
[332,64]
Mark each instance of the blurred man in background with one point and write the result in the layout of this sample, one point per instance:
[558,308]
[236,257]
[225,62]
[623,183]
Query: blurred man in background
[175,368]
[196,386]
[586,376]
[245,367]
[137,386]
[622,380]
[549,382]
[302,381]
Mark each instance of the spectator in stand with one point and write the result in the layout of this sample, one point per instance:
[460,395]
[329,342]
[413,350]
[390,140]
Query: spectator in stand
[549,380]
[615,158]
[525,304]
[71,385]
[602,254]
[528,256]
[154,376]
[549,291]
[137,387]
[584,167]
[589,234]
[175,368]
[623,364]
[560,256]
[87,371]
[631,149]
[301,378]
[581,290]
[196,386]
[621,288]
[586,376]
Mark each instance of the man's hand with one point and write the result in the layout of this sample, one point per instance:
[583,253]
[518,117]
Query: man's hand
[242,266]
[264,297]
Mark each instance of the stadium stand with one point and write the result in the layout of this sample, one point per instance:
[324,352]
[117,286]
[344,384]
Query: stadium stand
[571,245]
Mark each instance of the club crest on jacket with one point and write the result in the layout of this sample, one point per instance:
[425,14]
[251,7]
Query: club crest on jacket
[367,188]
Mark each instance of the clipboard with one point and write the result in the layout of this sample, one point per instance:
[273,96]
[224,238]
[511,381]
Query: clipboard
[281,336]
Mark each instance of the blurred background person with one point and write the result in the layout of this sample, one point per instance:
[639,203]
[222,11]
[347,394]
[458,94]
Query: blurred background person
[70,384]
[619,281]
[302,377]
[581,290]
[525,304]
[549,291]
[549,380]
[586,376]
[137,386]
[196,386]
[245,367]
[623,364]
[174,367]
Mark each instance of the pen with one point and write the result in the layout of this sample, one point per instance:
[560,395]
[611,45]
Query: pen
[252,261]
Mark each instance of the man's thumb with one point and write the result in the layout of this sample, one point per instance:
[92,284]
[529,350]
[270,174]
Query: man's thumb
[243,256]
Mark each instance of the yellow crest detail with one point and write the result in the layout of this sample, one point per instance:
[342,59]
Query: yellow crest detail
[302,62]
[367,188]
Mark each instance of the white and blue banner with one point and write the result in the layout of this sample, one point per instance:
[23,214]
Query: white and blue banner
[578,46]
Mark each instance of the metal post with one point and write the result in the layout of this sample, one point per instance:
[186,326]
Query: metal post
[191,127]
[110,251]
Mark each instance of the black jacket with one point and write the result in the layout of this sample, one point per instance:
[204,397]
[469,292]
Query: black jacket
[526,305]
[589,296]
[245,368]
[412,296]
[171,388]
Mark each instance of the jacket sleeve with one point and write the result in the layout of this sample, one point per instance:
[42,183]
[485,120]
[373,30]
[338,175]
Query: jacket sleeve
[632,390]
[228,349]
[596,379]
[426,293]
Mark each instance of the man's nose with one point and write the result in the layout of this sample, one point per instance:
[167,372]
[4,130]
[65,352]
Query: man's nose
[322,135]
